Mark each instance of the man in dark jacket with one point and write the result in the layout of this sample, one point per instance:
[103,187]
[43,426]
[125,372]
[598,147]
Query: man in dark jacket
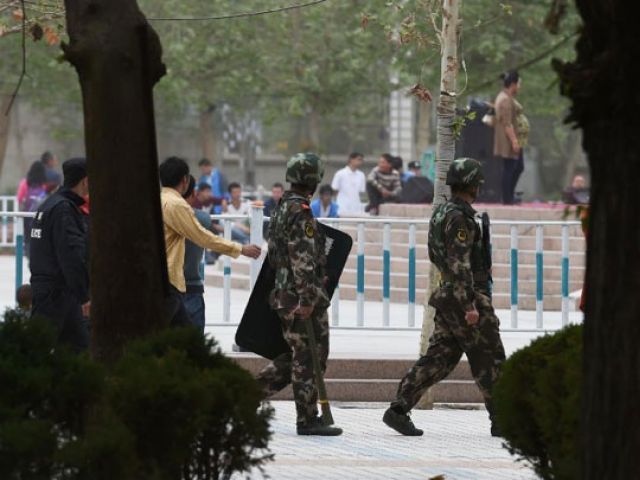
[59,271]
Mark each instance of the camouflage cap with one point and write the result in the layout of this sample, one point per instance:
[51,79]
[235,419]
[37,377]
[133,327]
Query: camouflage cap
[305,169]
[465,172]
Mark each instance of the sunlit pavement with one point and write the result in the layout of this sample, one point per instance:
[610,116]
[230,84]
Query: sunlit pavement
[456,444]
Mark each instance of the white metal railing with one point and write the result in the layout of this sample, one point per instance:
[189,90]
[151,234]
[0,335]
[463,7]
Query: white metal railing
[8,204]
[257,219]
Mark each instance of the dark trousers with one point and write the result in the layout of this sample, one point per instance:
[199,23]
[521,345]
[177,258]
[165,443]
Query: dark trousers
[64,312]
[376,199]
[511,171]
[194,303]
[175,309]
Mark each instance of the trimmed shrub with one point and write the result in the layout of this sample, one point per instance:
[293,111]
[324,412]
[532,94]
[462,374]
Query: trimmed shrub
[537,401]
[173,407]
[46,393]
[193,411]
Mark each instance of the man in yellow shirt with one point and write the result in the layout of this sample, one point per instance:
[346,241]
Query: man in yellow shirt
[180,223]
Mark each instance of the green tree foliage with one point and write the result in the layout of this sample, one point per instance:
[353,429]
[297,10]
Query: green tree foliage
[537,401]
[308,69]
[173,407]
[495,37]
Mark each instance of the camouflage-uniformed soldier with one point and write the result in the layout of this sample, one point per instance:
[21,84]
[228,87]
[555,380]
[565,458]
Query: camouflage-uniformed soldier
[465,320]
[297,255]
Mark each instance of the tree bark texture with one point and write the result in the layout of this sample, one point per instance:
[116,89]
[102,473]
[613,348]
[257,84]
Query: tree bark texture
[207,135]
[117,56]
[5,123]
[602,85]
[423,137]
[446,112]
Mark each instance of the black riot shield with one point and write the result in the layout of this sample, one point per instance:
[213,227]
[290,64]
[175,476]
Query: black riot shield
[260,330]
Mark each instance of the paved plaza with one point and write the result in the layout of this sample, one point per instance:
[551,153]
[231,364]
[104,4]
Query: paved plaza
[456,444]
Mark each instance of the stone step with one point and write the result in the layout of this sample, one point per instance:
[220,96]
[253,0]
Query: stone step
[447,391]
[501,238]
[500,255]
[400,279]
[357,368]
[360,380]
[501,299]
[501,212]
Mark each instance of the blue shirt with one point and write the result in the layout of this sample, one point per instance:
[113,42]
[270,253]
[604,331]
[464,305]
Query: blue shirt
[316,209]
[217,183]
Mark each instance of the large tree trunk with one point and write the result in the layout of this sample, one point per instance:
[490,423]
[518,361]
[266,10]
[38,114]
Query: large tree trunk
[5,122]
[574,156]
[423,137]
[118,59]
[207,136]
[602,86]
[446,145]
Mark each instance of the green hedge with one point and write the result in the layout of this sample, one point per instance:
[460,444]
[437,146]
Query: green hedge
[173,407]
[537,401]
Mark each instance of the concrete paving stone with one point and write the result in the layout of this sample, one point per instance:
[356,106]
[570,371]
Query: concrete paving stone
[456,444]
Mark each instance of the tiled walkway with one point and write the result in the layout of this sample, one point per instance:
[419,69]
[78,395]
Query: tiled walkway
[456,444]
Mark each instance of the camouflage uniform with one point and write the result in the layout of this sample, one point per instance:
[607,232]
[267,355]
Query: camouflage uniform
[297,255]
[455,248]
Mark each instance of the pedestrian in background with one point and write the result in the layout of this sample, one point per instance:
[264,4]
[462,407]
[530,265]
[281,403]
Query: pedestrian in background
[180,224]
[237,206]
[324,206]
[50,162]
[507,146]
[277,190]
[193,267]
[350,183]
[215,179]
[383,184]
[32,191]
[58,258]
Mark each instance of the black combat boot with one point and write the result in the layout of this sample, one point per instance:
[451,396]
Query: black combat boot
[495,430]
[401,423]
[316,427]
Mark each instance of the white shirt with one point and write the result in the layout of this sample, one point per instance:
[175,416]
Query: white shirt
[349,185]
[243,209]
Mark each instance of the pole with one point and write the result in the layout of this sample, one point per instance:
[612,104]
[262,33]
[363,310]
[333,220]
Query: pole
[514,276]
[386,273]
[327,417]
[539,276]
[257,225]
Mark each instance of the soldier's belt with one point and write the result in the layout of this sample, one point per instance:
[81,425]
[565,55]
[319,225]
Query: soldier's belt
[478,277]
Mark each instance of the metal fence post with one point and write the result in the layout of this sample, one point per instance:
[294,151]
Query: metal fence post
[335,300]
[412,275]
[226,283]
[514,276]
[386,273]
[5,221]
[565,275]
[256,238]
[539,276]
[19,235]
[360,275]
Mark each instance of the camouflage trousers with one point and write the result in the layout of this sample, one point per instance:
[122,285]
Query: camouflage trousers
[452,337]
[296,368]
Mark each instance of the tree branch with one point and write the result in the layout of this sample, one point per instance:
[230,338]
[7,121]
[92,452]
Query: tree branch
[24,60]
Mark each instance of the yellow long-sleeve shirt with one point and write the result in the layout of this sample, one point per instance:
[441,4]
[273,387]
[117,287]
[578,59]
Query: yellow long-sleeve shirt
[180,223]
